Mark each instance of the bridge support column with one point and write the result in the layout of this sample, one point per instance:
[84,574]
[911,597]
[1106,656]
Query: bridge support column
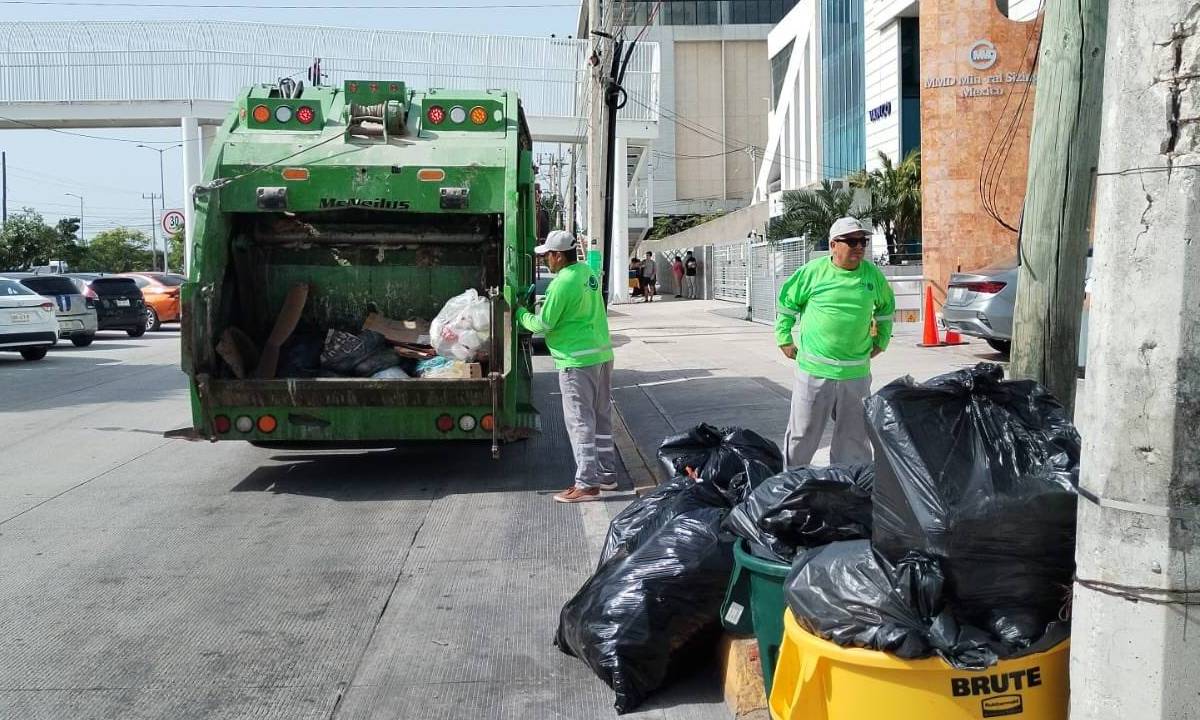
[192,165]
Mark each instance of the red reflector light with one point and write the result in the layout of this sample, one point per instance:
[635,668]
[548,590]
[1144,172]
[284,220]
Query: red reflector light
[436,114]
[305,115]
[988,287]
[445,423]
[267,424]
[222,424]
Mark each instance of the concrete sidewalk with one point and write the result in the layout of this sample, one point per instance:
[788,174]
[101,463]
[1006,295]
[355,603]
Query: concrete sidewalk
[680,363]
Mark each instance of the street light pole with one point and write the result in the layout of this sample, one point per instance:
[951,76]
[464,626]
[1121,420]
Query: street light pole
[162,195]
[81,240]
[154,231]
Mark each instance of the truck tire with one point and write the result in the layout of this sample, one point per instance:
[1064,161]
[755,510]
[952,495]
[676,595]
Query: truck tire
[33,353]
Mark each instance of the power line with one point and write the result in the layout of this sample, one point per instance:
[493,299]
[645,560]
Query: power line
[34,126]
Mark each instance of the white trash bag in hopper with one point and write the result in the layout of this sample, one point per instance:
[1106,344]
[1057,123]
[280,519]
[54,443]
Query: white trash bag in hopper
[463,327]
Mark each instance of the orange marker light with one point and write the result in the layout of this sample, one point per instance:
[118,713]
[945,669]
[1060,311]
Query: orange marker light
[478,115]
[431,174]
[267,424]
[486,423]
[295,173]
[261,113]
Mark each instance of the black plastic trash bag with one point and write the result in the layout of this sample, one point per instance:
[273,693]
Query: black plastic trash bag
[300,356]
[805,508]
[720,456]
[651,608]
[343,351]
[980,473]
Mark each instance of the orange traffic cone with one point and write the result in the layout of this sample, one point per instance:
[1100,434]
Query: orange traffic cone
[953,338]
[930,336]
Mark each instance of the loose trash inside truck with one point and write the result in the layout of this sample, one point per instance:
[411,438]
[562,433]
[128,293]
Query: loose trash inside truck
[333,227]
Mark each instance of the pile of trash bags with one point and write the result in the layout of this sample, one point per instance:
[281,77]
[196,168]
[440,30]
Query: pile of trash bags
[651,607]
[972,544]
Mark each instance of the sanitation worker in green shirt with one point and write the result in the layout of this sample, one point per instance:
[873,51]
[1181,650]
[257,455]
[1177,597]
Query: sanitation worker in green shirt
[845,308]
[575,323]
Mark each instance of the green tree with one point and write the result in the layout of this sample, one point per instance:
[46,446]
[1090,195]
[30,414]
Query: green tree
[119,250]
[810,213]
[69,245]
[176,257]
[895,197]
[26,241]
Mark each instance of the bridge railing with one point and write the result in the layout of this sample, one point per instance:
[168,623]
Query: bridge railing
[131,62]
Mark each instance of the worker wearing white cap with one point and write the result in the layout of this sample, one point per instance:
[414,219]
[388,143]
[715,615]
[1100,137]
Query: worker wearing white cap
[575,322]
[844,307]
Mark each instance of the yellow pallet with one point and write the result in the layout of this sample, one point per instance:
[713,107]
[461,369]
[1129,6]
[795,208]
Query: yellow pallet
[818,680]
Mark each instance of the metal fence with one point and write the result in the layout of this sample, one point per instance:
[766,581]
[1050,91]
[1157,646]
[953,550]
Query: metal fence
[163,61]
[728,272]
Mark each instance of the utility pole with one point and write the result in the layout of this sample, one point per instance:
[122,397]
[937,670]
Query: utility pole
[614,193]
[1055,222]
[598,191]
[162,189]
[154,229]
[4,191]
[1135,642]
[570,204]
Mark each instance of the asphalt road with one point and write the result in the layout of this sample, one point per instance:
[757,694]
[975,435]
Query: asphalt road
[149,578]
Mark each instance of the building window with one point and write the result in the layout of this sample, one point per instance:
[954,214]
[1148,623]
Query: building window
[779,66]
[910,85]
[708,12]
[843,91]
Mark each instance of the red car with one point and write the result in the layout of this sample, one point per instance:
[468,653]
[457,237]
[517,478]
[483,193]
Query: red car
[161,292]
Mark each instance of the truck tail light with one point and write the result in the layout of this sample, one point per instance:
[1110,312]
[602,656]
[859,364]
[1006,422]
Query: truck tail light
[222,424]
[478,115]
[467,423]
[436,114]
[244,424]
[267,424]
[445,423]
[305,115]
[261,113]
[486,423]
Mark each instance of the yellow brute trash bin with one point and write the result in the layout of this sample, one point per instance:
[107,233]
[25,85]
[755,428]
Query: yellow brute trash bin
[819,680]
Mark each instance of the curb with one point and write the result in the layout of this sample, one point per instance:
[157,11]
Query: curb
[640,470]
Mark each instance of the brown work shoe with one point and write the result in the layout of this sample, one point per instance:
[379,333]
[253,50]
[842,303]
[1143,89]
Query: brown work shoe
[575,494]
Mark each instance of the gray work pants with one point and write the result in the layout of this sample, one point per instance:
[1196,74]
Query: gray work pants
[587,411]
[689,283]
[814,401]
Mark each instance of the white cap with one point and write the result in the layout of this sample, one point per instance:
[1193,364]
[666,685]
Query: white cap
[557,241]
[847,226]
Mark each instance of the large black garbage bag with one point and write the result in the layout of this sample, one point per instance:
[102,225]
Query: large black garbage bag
[343,351]
[720,456]
[651,608]
[980,473]
[805,508]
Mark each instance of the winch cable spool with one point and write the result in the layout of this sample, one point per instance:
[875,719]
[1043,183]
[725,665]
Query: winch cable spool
[389,116]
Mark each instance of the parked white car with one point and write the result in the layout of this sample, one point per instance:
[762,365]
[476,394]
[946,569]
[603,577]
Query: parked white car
[27,321]
[77,318]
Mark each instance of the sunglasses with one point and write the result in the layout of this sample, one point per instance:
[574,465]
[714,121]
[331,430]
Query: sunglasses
[853,242]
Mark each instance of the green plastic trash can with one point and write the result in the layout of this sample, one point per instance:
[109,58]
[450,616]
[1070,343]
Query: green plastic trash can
[754,605]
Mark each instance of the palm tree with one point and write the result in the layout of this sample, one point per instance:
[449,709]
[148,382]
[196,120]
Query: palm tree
[810,213]
[895,192]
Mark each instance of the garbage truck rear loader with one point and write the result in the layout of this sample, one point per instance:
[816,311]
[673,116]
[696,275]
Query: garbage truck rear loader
[324,210]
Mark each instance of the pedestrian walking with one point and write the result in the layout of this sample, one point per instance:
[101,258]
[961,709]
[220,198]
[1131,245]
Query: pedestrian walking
[845,308]
[649,278]
[635,277]
[690,266]
[677,271]
[574,320]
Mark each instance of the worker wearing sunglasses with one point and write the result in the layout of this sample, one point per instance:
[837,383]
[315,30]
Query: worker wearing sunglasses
[835,314]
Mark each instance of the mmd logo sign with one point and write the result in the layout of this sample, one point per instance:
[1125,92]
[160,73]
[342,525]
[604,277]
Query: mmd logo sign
[982,55]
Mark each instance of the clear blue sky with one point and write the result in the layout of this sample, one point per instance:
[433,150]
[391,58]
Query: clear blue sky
[112,176]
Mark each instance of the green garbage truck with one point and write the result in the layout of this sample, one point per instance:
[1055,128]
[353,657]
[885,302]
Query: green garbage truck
[327,212]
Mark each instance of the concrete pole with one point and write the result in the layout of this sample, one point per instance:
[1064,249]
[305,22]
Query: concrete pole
[191,177]
[618,266]
[597,137]
[1062,162]
[573,179]
[1140,404]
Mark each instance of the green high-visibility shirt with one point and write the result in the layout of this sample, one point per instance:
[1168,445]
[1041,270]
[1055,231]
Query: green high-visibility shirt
[573,319]
[836,309]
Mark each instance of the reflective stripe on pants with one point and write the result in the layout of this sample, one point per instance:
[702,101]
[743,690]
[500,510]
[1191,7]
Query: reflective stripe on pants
[587,412]
[814,401]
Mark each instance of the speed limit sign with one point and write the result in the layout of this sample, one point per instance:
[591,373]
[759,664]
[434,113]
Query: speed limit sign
[172,222]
